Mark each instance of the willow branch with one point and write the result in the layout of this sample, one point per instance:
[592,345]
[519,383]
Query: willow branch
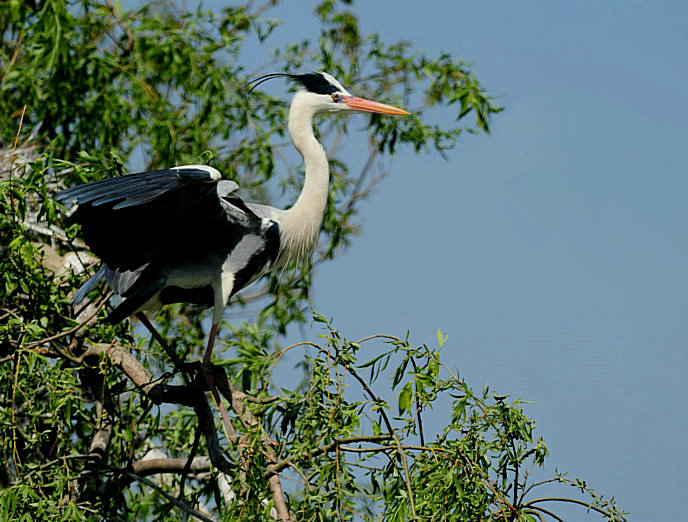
[130,36]
[418,408]
[547,512]
[536,513]
[238,400]
[525,491]
[16,140]
[401,452]
[75,329]
[188,395]
[279,466]
[179,504]
[54,232]
[13,60]
[531,503]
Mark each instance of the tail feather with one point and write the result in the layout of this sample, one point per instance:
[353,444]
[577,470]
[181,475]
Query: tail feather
[88,286]
[135,300]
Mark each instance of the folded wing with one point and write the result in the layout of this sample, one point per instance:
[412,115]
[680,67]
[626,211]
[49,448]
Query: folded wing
[132,220]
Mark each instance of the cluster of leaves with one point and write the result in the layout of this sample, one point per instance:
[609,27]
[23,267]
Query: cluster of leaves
[88,91]
[479,467]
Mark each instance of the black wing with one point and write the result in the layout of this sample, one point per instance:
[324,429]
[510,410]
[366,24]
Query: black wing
[146,217]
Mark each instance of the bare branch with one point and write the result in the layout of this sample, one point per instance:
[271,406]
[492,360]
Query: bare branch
[126,362]
[188,395]
[589,505]
[539,515]
[53,231]
[547,512]
[154,466]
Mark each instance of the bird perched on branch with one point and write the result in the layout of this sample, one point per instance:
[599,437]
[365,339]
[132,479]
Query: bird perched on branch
[183,235]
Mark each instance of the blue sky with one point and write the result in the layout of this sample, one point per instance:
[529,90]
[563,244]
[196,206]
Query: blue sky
[554,251]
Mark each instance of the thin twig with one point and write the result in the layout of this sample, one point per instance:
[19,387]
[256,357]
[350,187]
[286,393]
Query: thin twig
[492,486]
[13,60]
[547,512]
[302,475]
[516,470]
[361,177]
[531,503]
[418,409]
[16,140]
[15,384]
[536,484]
[380,336]
[180,505]
[537,514]
[279,466]
[130,35]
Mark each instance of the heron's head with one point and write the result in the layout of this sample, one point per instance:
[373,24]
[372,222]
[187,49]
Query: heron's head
[324,94]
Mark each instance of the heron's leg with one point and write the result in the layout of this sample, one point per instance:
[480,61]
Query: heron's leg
[208,374]
[211,343]
[207,367]
[156,335]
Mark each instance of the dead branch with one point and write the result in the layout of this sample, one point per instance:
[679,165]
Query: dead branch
[158,392]
[144,468]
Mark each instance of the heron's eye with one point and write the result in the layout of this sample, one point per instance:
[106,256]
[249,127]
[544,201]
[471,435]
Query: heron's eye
[336,97]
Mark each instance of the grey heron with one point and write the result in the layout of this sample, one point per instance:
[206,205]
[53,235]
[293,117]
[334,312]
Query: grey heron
[183,235]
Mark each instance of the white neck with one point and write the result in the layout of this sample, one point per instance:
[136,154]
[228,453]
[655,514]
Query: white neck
[301,223]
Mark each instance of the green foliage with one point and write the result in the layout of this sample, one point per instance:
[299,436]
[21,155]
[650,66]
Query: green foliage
[88,91]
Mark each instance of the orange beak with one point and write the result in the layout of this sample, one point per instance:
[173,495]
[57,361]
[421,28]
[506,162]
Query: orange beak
[363,105]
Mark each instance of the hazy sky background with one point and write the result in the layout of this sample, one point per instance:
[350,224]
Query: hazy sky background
[554,252]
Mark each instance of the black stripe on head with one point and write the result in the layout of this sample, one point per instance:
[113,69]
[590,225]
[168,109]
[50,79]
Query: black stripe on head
[313,82]
[316,83]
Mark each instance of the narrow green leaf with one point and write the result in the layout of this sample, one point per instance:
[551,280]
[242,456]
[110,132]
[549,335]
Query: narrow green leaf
[405,398]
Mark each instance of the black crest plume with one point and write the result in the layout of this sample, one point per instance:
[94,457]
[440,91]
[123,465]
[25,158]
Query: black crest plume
[313,82]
